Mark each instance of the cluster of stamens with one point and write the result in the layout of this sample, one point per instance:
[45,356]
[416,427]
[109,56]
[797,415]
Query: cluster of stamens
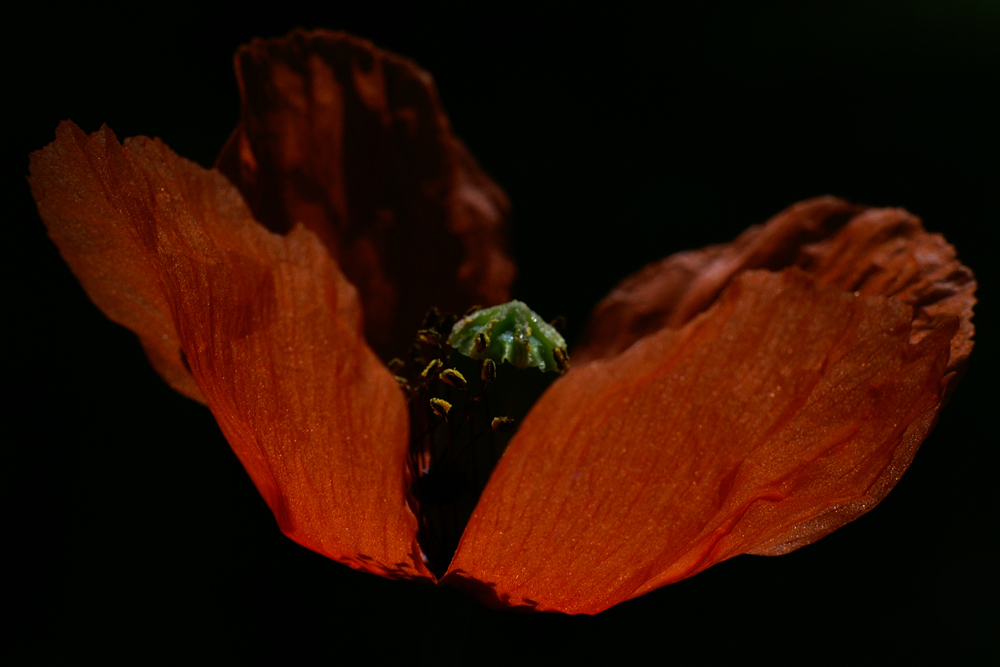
[456,435]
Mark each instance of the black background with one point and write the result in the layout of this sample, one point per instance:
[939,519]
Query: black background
[135,533]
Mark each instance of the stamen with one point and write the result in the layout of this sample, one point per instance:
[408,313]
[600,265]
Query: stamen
[488,372]
[454,378]
[456,437]
[440,407]
[429,337]
[501,423]
[432,368]
[482,341]
[561,359]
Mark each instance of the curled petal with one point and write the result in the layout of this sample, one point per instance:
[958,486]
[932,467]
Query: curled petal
[874,251]
[784,411]
[268,326]
[670,292]
[887,252]
[397,199]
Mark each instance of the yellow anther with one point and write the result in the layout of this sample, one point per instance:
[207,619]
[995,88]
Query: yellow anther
[499,423]
[482,341]
[432,368]
[562,359]
[429,337]
[488,372]
[440,407]
[453,377]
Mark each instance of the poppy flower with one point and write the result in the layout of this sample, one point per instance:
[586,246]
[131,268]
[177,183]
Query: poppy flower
[745,398]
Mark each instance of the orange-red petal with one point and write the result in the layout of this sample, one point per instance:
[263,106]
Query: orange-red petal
[670,292]
[352,142]
[886,252]
[782,412]
[269,329]
[874,251]
[84,215]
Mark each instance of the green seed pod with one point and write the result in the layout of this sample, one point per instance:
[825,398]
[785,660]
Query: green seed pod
[510,332]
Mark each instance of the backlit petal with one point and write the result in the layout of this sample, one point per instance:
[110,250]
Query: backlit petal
[874,251]
[670,292]
[85,216]
[268,326]
[782,412]
[352,142]
[885,251]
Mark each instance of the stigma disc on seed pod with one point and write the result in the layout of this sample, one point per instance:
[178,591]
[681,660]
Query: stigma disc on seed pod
[510,332]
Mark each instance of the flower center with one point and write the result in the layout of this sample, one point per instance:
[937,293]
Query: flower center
[468,383]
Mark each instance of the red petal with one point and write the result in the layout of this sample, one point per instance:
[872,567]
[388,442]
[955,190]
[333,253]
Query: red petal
[398,200]
[269,327]
[876,251]
[84,219]
[887,252]
[672,291]
[783,412]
